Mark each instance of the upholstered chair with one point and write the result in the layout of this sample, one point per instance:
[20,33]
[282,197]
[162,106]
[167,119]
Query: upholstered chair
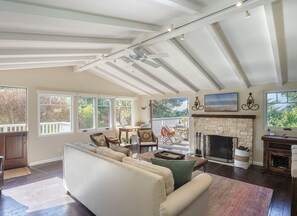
[146,138]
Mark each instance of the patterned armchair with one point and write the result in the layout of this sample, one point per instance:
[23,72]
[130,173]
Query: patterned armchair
[146,138]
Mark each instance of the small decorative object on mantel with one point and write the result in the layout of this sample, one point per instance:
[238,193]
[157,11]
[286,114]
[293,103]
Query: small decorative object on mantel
[197,105]
[250,104]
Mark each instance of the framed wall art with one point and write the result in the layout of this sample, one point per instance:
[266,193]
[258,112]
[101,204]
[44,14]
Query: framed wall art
[226,102]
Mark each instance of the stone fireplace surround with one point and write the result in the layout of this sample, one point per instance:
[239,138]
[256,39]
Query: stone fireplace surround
[240,126]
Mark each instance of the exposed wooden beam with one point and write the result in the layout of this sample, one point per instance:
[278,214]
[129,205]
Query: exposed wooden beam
[118,80]
[39,65]
[25,53]
[174,73]
[183,5]
[189,58]
[134,77]
[57,13]
[274,43]
[207,18]
[220,39]
[66,39]
[155,78]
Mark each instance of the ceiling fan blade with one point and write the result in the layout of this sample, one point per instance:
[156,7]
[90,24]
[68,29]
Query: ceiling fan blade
[150,63]
[138,51]
[159,55]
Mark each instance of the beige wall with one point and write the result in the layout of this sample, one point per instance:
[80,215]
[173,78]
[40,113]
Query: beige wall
[258,94]
[55,79]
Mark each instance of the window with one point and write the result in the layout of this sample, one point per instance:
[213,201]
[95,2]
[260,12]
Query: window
[281,109]
[55,114]
[123,112]
[13,109]
[104,113]
[86,113]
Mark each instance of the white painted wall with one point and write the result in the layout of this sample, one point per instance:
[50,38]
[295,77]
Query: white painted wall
[258,94]
[42,149]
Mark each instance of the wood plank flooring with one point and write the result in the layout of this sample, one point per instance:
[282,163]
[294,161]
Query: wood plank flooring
[42,192]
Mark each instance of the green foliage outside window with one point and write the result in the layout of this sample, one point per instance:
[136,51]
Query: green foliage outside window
[282,109]
[104,112]
[85,112]
[123,112]
[173,107]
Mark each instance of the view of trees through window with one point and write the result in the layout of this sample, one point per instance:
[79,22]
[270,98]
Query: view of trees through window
[104,112]
[13,109]
[173,107]
[123,112]
[55,114]
[86,112]
[282,109]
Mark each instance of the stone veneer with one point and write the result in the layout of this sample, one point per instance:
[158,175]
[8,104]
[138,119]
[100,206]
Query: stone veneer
[240,126]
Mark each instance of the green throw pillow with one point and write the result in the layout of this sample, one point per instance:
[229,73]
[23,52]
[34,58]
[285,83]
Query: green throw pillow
[181,170]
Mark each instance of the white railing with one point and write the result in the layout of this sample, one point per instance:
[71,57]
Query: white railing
[158,123]
[54,127]
[12,128]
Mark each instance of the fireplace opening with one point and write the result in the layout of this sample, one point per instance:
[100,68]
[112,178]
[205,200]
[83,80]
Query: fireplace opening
[219,148]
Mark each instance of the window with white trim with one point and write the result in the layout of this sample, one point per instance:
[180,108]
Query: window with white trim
[281,109]
[86,112]
[55,113]
[124,112]
[13,109]
[104,113]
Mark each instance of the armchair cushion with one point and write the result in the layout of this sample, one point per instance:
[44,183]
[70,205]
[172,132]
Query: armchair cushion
[99,139]
[145,135]
[148,143]
[181,170]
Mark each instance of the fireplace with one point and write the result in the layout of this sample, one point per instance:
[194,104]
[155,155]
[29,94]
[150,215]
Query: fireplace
[219,148]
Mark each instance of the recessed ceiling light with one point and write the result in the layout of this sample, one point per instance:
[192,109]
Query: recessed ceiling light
[239,3]
[170,28]
[247,14]
[182,37]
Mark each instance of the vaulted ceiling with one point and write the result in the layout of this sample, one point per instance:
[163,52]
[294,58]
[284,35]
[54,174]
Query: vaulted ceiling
[221,48]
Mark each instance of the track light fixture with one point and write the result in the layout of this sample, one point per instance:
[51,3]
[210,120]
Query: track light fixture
[170,28]
[239,3]
[247,14]
[182,37]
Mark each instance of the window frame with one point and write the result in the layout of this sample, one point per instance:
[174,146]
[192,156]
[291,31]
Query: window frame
[94,110]
[27,105]
[266,106]
[49,93]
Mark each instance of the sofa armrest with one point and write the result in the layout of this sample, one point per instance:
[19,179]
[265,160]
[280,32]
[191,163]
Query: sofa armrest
[180,201]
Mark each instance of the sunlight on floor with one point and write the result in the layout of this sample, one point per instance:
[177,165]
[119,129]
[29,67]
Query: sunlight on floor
[40,195]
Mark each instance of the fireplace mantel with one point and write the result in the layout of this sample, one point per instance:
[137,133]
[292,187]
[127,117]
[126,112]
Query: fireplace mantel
[223,116]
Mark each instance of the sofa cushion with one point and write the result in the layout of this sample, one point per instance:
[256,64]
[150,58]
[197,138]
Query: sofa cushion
[121,149]
[159,170]
[146,135]
[85,146]
[107,152]
[181,170]
[100,140]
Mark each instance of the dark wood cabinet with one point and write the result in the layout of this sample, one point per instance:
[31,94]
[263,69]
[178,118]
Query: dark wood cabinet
[13,147]
[277,155]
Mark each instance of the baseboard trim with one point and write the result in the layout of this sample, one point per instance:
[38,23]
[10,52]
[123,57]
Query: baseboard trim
[258,163]
[45,161]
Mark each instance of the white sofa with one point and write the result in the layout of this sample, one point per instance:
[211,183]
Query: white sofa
[111,188]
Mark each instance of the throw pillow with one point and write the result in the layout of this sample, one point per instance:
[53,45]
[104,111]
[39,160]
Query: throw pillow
[107,152]
[121,149]
[100,140]
[146,135]
[181,170]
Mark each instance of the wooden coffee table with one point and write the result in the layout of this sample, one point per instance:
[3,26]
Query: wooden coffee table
[200,161]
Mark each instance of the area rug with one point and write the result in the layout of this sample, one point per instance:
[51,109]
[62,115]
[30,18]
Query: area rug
[230,197]
[13,173]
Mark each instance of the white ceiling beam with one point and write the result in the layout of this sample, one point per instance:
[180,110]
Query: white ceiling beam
[224,46]
[155,78]
[174,73]
[274,43]
[117,80]
[25,53]
[57,13]
[20,61]
[134,77]
[66,39]
[39,65]
[189,59]
[182,5]
[207,18]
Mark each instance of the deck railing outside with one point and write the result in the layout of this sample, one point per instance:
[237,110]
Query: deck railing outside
[158,123]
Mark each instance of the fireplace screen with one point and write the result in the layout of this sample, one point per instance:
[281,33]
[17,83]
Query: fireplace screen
[220,148]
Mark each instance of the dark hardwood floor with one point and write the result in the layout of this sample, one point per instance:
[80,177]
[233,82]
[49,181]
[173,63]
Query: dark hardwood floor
[42,192]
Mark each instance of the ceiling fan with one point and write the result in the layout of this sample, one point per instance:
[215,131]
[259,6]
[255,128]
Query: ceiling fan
[138,55]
